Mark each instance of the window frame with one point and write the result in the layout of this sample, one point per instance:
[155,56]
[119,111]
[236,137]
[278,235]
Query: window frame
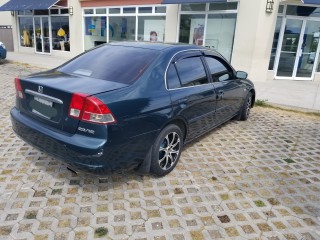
[224,62]
[182,55]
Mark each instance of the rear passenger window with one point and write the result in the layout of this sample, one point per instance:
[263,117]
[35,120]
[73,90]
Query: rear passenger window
[172,77]
[218,70]
[191,72]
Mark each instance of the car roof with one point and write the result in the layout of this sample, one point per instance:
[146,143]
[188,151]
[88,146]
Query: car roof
[157,46]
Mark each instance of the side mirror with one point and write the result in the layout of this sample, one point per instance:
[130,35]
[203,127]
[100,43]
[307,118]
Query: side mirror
[241,75]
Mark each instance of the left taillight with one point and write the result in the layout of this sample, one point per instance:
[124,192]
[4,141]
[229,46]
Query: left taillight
[90,109]
[18,87]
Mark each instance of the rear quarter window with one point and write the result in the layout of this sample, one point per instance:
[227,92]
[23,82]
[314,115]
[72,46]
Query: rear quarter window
[191,72]
[113,63]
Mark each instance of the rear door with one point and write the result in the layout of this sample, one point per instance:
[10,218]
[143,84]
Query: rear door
[228,89]
[192,94]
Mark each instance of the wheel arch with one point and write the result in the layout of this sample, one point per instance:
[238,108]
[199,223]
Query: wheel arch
[253,97]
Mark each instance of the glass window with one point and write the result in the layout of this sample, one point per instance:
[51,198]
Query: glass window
[126,65]
[54,11]
[281,9]
[192,28]
[114,10]
[25,12]
[122,28]
[64,11]
[160,9]
[41,12]
[145,9]
[129,10]
[303,11]
[275,43]
[223,6]
[151,28]
[95,31]
[101,11]
[193,7]
[172,77]
[26,31]
[88,11]
[191,72]
[60,33]
[220,33]
[218,70]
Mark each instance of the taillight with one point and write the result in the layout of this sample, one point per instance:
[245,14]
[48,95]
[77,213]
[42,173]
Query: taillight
[90,109]
[18,87]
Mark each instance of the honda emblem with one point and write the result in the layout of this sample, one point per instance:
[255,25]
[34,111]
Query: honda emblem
[40,89]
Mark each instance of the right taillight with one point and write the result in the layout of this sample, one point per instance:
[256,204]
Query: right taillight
[18,87]
[90,109]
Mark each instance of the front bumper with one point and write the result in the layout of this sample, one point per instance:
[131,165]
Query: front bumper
[82,153]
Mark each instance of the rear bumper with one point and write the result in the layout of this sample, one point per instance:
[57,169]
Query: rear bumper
[82,153]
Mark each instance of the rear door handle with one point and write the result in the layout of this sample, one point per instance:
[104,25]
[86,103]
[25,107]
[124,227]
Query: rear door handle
[183,101]
[220,94]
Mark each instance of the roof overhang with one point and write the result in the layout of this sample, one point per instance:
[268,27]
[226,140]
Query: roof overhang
[18,5]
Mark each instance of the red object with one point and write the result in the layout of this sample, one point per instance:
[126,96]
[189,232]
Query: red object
[90,109]
[18,87]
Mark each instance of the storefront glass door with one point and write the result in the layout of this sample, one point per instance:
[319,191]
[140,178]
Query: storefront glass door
[42,34]
[299,51]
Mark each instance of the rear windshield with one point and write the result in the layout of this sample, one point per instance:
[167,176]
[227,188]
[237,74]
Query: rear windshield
[113,63]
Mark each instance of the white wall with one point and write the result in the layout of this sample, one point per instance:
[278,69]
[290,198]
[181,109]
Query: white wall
[253,38]
[5,17]
[171,23]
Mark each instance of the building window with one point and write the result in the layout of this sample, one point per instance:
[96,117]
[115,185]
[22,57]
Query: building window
[192,29]
[131,23]
[220,33]
[60,33]
[95,31]
[35,28]
[151,28]
[26,31]
[275,43]
[122,28]
[211,25]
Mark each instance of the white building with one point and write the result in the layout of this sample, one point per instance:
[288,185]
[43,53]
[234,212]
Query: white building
[270,39]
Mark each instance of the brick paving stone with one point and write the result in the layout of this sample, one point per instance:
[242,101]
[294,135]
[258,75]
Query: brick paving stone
[258,179]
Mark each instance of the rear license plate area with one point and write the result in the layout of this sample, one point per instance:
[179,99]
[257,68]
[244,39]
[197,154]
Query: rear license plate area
[43,107]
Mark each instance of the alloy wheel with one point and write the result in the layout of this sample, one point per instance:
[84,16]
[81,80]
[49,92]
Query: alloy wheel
[169,150]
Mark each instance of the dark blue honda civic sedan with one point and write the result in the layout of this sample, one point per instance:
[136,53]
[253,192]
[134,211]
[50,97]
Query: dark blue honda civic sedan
[128,106]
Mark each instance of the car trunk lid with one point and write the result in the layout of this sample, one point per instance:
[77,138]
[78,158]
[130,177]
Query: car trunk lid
[47,96]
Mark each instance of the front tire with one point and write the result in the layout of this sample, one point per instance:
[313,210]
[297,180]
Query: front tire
[166,150]
[245,110]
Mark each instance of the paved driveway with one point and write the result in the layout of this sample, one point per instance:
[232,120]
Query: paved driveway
[258,179]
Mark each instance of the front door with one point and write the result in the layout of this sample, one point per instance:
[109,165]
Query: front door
[299,51]
[42,34]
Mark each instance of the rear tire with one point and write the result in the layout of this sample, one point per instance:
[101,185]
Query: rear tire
[245,109]
[166,150]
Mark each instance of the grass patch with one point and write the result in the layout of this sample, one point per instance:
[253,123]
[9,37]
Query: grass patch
[288,160]
[100,232]
[259,203]
[224,197]
[273,201]
[263,103]
[31,215]
[178,191]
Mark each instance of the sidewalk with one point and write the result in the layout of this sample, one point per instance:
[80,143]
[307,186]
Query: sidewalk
[38,60]
[296,94]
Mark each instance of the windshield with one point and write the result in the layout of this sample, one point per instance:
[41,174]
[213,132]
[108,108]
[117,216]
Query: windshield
[113,63]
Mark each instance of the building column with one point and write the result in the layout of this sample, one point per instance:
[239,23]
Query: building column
[171,23]
[253,38]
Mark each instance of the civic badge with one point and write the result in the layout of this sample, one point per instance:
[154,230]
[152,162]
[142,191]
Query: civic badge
[40,89]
